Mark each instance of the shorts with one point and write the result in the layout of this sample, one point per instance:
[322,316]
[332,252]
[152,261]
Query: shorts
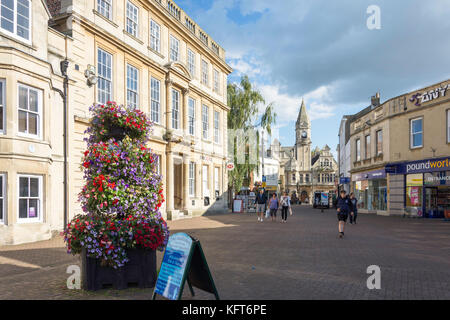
[260,207]
[273,212]
[342,217]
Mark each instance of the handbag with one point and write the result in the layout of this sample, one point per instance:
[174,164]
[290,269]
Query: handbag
[267,213]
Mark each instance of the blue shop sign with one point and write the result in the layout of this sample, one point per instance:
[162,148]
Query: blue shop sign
[420,166]
[344,180]
[376,174]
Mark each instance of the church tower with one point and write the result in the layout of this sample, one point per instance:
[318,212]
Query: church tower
[303,140]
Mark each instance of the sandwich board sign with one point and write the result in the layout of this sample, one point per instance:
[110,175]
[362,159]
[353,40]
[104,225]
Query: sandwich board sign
[183,261]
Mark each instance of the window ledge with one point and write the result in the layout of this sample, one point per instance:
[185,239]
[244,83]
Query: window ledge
[24,42]
[105,18]
[133,37]
[156,52]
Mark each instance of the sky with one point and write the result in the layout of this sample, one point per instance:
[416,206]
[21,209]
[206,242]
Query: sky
[322,51]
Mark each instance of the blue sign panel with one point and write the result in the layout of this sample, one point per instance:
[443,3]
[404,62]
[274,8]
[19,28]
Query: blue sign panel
[171,274]
[344,180]
[420,166]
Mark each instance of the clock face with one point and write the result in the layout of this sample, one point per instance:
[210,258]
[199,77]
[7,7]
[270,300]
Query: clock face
[304,134]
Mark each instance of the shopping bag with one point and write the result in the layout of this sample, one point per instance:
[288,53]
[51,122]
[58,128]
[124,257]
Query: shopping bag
[290,211]
[267,213]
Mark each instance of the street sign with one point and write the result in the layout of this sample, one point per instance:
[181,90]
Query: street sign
[183,261]
[230,166]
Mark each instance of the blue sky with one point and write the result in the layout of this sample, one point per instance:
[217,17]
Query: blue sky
[323,52]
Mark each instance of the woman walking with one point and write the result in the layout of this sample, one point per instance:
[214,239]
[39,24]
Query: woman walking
[355,208]
[273,205]
[285,206]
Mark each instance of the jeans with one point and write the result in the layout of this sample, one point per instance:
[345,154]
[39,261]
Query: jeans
[284,212]
[353,218]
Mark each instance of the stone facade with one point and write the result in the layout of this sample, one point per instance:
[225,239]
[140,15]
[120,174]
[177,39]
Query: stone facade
[149,53]
[305,171]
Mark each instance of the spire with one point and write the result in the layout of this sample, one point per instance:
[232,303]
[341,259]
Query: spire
[303,115]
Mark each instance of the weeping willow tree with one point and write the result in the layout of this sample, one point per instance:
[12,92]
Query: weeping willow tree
[243,120]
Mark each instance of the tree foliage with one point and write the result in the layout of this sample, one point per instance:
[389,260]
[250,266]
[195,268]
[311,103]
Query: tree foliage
[244,102]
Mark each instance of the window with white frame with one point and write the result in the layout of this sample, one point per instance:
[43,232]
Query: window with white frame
[205,181]
[132,87]
[367,147]
[174,48]
[191,116]
[448,126]
[204,72]
[175,109]
[155,36]
[205,122]
[104,7]
[416,133]
[132,19]
[2,106]
[30,110]
[191,179]
[104,71]
[2,197]
[191,62]
[157,163]
[216,81]
[155,99]
[216,182]
[379,145]
[216,127]
[30,198]
[358,149]
[15,18]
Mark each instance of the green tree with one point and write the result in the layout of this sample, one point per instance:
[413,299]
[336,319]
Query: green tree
[244,101]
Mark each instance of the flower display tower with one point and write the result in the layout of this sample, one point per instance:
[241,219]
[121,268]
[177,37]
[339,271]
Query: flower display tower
[122,227]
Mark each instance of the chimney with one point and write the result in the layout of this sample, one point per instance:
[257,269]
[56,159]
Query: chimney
[375,100]
[54,6]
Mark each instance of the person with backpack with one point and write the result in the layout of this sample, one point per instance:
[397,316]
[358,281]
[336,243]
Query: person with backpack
[273,206]
[285,206]
[261,201]
[344,208]
[355,208]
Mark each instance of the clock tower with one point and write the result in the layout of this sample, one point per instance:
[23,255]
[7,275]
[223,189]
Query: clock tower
[303,139]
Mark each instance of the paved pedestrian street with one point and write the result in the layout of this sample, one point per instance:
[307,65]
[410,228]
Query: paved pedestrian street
[301,259]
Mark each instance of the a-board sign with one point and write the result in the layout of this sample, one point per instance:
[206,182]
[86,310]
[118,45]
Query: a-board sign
[183,261]
[238,205]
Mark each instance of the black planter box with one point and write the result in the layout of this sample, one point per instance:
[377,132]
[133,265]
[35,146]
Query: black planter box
[140,270]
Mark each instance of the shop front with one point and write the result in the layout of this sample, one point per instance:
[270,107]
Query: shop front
[427,186]
[370,188]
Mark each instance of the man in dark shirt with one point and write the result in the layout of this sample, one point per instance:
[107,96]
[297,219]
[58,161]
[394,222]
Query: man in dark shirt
[261,200]
[344,208]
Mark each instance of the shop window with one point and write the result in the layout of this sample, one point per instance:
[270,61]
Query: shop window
[30,198]
[414,193]
[216,182]
[417,133]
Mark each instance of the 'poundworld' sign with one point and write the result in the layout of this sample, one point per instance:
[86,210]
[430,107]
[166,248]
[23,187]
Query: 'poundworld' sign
[428,165]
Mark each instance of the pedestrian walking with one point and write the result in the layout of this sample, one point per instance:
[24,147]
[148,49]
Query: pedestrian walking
[285,206]
[355,208]
[261,201]
[344,208]
[273,205]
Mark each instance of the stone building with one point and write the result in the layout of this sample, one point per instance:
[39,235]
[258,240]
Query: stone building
[400,151]
[303,170]
[147,54]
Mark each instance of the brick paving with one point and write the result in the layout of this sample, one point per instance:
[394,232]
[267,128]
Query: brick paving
[302,259]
